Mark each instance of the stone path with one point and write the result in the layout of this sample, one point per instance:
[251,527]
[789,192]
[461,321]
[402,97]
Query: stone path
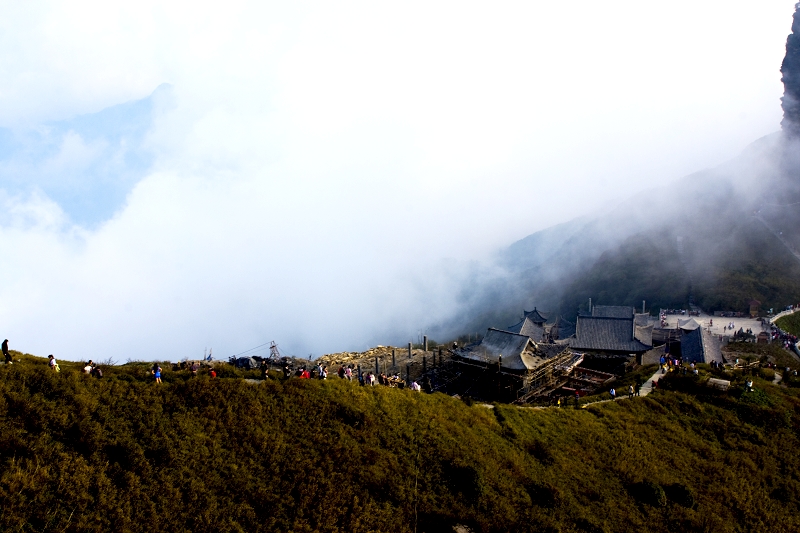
[644,390]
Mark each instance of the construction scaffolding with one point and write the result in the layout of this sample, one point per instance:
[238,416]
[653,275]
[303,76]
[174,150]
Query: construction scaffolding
[551,375]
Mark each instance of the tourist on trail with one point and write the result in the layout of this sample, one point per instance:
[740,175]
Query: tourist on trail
[323,374]
[340,372]
[88,368]
[630,391]
[52,363]
[156,371]
[212,373]
[613,393]
[194,368]
[638,387]
[415,386]
[6,355]
[348,373]
[264,369]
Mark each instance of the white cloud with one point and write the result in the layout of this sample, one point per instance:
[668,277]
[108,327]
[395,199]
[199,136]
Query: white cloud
[323,159]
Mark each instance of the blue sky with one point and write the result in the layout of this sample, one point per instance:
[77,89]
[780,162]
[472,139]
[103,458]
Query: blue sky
[181,176]
[88,163]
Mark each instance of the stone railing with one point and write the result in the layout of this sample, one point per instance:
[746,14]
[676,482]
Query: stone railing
[782,314]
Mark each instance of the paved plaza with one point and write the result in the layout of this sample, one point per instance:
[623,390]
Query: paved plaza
[717,324]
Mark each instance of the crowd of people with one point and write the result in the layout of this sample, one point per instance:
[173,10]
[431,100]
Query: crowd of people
[347,372]
[789,340]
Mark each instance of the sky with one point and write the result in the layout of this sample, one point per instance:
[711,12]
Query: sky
[182,176]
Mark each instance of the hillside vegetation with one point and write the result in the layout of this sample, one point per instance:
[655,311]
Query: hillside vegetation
[748,264]
[121,453]
[790,324]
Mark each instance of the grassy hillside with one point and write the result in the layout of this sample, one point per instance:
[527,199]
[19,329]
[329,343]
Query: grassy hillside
[124,454]
[790,324]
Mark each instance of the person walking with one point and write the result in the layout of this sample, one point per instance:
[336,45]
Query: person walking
[613,393]
[53,364]
[6,355]
[630,391]
[156,372]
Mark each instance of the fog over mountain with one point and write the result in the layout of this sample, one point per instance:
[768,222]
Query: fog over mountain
[175,178]
[718,239]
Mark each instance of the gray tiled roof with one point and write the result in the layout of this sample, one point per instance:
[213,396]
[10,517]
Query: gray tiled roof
[612,311]
[519,352]
[689,324]
[529,328]
[564,327]
[692,349]
[700,346]
[606,334]
[536,316]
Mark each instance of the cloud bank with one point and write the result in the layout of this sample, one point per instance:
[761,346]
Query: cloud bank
[326,175]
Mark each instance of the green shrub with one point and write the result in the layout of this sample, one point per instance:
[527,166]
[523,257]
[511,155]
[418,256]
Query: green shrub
[649,493]
[680,494]
[756,397]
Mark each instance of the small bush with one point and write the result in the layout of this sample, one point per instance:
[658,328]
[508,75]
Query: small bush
[649,493]
[680,494]
[756,397]
[766,373]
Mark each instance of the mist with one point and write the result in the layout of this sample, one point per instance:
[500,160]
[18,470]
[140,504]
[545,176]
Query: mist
[334,177]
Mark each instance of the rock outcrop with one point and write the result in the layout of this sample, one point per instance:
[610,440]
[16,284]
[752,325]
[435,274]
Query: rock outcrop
[790,69]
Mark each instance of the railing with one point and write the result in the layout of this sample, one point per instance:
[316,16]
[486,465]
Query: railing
[783,314]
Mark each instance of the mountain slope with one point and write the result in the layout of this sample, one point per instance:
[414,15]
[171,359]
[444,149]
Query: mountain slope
[124,454]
